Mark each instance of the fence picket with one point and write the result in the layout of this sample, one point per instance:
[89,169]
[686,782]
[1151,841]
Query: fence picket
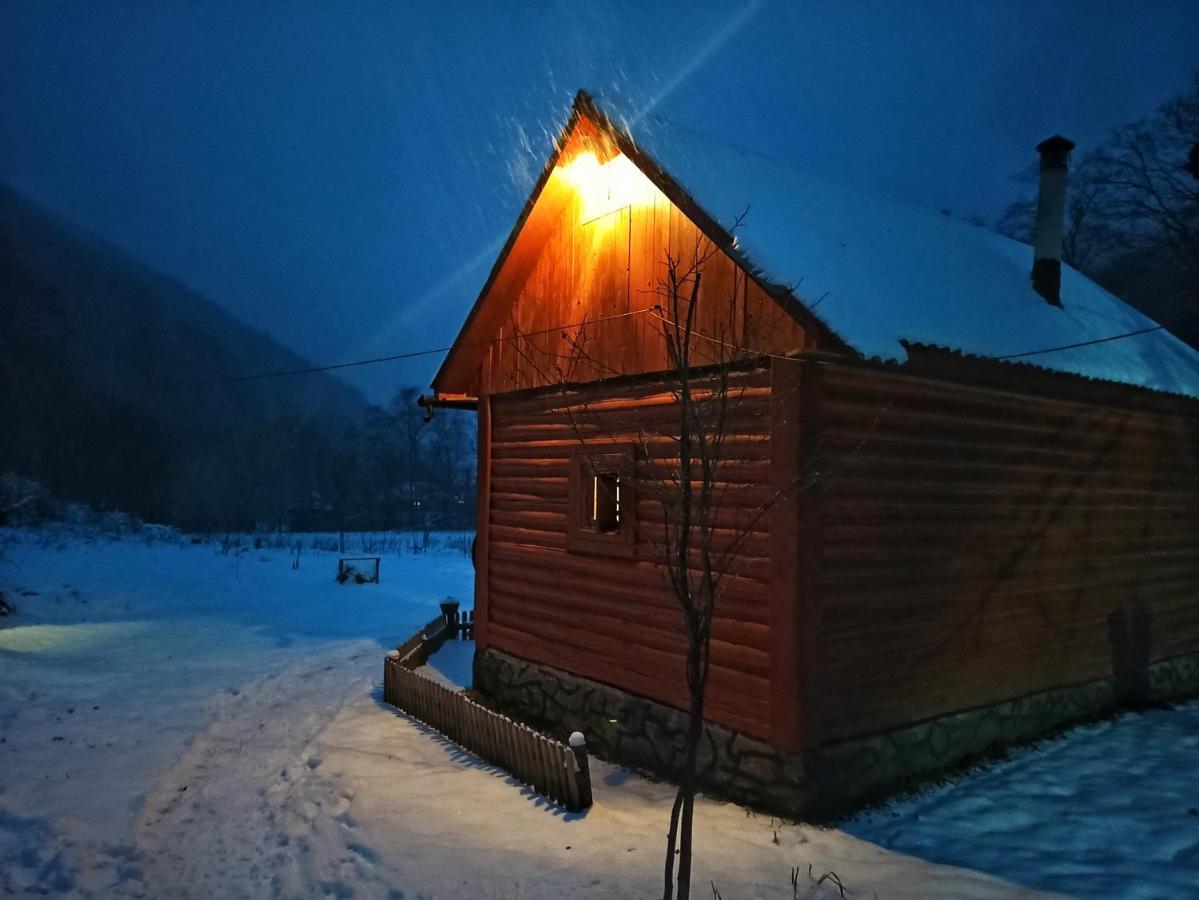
[507,744]
[559,773]
[522,755]
[468,726]
[547,769]
[516,759]
[528,761]
[547,773]
[518,750]
[419,699]
[572,782]
[492,748]
[459,721]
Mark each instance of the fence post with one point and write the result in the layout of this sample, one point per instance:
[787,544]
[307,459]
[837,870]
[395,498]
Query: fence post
[449,610]
[389,676]
[578,746]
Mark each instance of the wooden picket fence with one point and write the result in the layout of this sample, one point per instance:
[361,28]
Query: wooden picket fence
[552,769]
[415,651]
[464,623]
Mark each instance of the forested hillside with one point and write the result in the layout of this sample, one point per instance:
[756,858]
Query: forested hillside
[104,400]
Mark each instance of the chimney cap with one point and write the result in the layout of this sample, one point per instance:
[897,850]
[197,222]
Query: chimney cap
[1055,144]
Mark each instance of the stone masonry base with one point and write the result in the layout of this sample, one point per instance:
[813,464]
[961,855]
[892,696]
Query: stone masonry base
[813,784]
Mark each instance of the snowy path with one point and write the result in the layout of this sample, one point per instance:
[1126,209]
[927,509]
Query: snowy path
[239,749]
[121,651]
[245,812]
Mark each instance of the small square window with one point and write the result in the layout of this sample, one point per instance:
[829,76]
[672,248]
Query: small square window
[602,503]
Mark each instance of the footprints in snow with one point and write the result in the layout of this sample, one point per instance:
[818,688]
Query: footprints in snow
[263,800]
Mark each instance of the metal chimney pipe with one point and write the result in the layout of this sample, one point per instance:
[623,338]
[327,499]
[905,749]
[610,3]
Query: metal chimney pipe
[1051,218]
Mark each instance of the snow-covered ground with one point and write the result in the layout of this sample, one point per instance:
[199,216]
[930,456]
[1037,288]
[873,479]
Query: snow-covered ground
[177,721]
[1109,810]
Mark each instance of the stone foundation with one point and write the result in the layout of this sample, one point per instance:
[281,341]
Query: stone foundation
[814,784]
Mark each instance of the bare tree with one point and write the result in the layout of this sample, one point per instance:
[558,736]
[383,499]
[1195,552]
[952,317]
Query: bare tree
[684,471]
[1133,214]
[1151,193]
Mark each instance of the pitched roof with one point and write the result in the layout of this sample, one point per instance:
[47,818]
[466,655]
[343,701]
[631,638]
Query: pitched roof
[873,273]
[878,272]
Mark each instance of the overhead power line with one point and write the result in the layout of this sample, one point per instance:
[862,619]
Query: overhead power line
[259,376]
[234,379]
[1102,340]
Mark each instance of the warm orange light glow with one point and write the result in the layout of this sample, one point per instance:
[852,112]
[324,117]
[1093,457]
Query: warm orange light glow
[604,188]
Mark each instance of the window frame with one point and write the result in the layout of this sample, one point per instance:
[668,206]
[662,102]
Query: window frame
[585,464]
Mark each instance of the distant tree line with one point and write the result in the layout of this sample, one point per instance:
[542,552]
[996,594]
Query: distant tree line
[111,396]
[1133,214]
[289,471]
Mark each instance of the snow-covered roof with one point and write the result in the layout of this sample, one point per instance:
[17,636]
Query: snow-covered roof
[877,271]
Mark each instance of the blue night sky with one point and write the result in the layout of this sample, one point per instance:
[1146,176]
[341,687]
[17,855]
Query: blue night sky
[342,178]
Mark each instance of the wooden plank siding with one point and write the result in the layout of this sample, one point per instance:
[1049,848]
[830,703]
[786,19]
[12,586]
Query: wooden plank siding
[594,271]
[977,544]
[567,266]
[616,619]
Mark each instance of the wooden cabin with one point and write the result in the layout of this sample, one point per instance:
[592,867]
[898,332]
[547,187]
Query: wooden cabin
[999,513]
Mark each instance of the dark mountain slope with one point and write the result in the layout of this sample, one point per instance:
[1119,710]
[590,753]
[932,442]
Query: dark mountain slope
[94,351]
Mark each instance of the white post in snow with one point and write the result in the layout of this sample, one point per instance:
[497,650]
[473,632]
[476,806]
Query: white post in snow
[578,746]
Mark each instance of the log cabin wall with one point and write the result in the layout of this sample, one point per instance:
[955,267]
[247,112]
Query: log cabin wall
[613,618]
[977,544]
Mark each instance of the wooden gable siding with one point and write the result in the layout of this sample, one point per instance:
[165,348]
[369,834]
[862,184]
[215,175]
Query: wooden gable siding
[564,265]
[615,619]
[612,267]
[977,544]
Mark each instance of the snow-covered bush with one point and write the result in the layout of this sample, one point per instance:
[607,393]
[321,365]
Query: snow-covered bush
[25,502]
[107,523]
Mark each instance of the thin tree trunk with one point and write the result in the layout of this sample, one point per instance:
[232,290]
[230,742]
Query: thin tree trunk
[697,681]
[685,843]
[671,840]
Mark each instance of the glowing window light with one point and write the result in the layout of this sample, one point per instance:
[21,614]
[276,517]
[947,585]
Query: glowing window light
[605,502]
[606,187]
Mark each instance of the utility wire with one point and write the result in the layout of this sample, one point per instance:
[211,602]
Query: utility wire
[234,379]
[1103,340]
[258,376]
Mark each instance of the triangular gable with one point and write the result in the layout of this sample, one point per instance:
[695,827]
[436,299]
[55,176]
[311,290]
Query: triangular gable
[588,131]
